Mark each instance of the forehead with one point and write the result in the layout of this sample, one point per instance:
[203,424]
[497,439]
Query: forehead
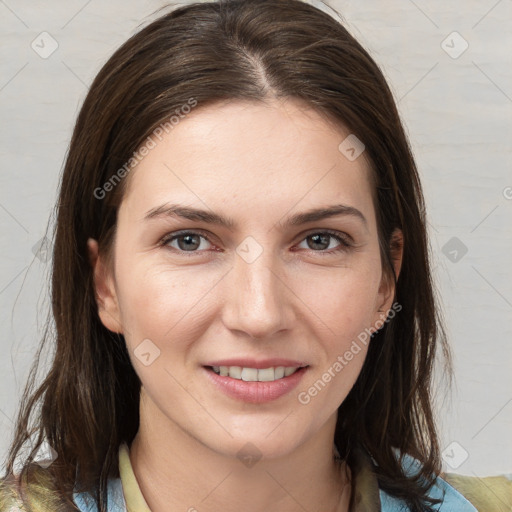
[262,154]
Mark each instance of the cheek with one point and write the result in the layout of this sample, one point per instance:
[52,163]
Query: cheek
[146,299]
[159,311]
[342,300]
[345,307]
[159,302]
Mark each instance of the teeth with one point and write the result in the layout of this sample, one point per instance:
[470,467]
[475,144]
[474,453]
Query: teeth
[254,374]
[279,372]
[265,375]
[248,374]
[235,372]
[289,371]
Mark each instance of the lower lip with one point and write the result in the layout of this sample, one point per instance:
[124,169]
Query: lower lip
[256,392]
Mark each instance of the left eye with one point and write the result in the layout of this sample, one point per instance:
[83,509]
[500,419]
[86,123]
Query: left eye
[190,241]
[322,239]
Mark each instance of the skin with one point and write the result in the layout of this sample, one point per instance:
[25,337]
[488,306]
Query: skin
[256,164]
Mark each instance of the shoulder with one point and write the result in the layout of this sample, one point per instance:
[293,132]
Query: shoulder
[36,496]
[39,496]
[116,501]
[9,494]
[490,493]
[452,499]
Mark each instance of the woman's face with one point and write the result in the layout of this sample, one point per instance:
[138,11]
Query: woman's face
[263,292]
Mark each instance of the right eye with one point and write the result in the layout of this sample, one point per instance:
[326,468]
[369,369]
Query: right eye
[187,241]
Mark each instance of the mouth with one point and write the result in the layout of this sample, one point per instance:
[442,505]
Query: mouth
[248,374]
[255,385]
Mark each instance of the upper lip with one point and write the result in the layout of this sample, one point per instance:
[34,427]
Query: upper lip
[259,364]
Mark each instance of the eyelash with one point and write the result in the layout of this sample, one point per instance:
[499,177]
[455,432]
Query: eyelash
[337,235]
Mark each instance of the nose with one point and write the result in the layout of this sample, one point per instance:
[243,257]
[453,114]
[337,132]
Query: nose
[257,300]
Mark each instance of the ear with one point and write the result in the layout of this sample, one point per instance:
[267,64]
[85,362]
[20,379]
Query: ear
[104,289]
[387,286]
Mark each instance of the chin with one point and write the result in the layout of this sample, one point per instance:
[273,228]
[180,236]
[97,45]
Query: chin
[256,443]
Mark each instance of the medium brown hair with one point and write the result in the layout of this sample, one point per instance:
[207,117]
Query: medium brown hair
[248,50]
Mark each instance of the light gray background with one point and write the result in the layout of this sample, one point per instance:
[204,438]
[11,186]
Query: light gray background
[457,112]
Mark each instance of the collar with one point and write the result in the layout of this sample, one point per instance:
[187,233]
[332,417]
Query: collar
[133,496]
[365,489]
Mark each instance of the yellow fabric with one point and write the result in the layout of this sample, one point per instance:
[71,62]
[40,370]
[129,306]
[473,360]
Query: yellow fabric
[39,494]
[133,496]
[487,494]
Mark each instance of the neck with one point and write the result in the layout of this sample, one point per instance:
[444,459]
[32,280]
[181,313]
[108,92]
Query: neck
[180,473]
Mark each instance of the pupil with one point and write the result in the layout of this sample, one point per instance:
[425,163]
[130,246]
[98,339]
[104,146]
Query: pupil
[323,238]
[187,246]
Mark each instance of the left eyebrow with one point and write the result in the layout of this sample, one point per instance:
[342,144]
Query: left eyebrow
[209,217]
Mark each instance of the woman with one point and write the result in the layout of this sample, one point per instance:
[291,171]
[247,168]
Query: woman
[241,286]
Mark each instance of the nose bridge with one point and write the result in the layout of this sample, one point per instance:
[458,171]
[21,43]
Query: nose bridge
[257,300]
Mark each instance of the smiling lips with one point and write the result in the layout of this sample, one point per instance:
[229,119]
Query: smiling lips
[255,374]
[256,381]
